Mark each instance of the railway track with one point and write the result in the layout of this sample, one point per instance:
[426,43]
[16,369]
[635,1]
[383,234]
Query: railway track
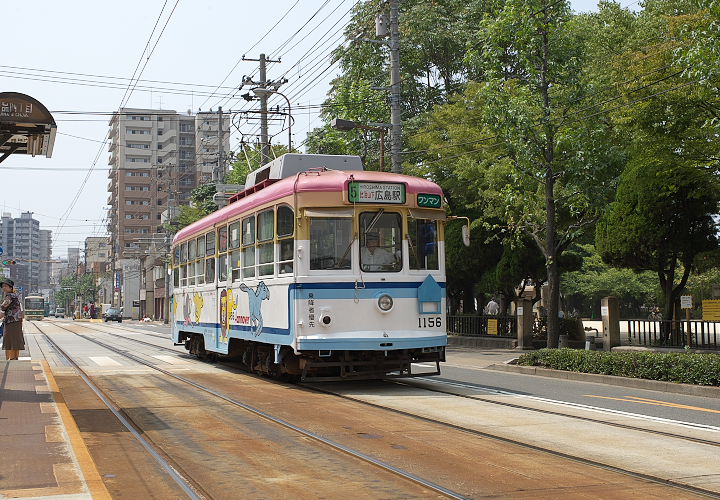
[492,391]
[413,383]
[165,462]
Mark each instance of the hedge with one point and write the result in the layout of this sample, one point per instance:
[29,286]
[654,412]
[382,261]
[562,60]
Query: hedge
[686,368]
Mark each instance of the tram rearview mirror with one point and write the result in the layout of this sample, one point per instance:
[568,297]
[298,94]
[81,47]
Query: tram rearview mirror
[466,235]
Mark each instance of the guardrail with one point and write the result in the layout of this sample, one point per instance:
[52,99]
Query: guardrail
[673,333]
[482,326]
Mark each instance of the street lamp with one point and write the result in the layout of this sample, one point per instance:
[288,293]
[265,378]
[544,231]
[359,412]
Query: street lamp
[265,92]
[346,125]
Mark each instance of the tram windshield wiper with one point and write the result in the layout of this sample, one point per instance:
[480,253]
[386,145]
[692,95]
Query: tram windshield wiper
[374,221]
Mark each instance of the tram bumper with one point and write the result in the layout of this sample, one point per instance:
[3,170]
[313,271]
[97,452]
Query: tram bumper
[328,359]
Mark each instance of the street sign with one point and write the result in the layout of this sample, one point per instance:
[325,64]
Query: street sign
[686,302]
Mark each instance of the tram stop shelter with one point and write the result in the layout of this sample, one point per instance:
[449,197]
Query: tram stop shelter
[26,126]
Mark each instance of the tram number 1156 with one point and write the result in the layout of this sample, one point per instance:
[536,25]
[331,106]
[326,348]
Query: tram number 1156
[425,322]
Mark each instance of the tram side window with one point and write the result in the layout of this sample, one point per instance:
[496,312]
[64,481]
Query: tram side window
[423,244]
[183,265]
[286,243]
[266,242]
[200,262]
[330,243]
[192,254]
[380,242]
[222,250]
[248,247]
[210,257]
[234,244]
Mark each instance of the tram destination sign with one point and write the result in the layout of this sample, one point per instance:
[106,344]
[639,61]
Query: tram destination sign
[376,192]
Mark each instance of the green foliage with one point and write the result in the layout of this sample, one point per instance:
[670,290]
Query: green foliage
[584,288]
[80,285]
[661,219]
[202,205]
[250,158]
[686,368]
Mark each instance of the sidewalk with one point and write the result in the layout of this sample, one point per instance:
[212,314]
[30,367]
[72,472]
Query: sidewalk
[502,360]
[43,454]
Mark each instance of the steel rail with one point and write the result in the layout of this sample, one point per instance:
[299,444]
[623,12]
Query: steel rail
[499,403]
[284,423]
[648,477]
[488,435]
[180,480]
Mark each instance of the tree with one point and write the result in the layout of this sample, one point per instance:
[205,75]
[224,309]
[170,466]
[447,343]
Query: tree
[202,204]
[584,288]
[250,158]
[561,172]
[661,220]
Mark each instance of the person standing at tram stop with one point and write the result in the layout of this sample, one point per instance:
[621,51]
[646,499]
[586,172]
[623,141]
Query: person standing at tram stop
[10,310]
[92,310]
[373,257]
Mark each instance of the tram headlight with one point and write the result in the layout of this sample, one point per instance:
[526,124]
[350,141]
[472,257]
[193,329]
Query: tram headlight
[385,302]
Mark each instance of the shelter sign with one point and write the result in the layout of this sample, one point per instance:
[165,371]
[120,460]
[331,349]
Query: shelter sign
[711,310]
[26,126]
[686,302]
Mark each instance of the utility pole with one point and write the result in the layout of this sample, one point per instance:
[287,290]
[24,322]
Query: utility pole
[263,83]
[395,115]
[219,177]
[265,150]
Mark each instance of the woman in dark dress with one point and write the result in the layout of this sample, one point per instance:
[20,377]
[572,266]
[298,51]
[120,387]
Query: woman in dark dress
[13,341]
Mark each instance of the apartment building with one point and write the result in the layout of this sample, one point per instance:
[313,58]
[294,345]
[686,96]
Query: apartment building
[22,240]
[157,157]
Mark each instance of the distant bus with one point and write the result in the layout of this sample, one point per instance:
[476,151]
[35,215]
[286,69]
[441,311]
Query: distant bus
[34,307]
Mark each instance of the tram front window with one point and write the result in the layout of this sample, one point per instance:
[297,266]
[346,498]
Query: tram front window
[423,245]
[330,243]
[380,242]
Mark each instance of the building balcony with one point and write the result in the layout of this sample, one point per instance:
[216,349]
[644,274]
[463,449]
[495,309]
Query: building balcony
[138,137]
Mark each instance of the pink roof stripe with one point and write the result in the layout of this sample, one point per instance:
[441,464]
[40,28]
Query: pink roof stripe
[326,181]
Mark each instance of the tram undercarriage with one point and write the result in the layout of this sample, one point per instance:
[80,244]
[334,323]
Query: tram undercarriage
[321,365]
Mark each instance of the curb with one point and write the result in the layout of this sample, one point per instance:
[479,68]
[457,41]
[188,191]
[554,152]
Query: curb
[634,383]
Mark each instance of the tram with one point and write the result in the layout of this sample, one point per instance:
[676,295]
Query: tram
[35,307]
[317,270]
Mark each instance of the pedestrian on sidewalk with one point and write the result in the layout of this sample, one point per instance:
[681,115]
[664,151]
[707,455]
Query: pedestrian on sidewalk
[10,310]
[92,310]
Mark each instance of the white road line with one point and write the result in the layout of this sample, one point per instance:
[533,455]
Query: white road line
[24,358]
[171,359]
[596,409]
[104,361]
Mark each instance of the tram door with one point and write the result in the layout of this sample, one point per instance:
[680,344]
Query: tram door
[224,292]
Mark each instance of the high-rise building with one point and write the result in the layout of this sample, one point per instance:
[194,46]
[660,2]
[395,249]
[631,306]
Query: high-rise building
[22,241]
[157,157]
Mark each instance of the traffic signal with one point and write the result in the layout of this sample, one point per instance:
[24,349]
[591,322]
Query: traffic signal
[8,262]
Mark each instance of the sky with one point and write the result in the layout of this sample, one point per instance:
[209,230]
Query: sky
[77,58]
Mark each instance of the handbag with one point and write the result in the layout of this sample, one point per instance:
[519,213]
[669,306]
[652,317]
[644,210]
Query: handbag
[2,329]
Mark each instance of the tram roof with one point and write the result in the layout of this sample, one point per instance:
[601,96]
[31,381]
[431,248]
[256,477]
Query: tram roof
[321,181]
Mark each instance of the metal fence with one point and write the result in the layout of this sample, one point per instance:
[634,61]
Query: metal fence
[483,326]
[669,333]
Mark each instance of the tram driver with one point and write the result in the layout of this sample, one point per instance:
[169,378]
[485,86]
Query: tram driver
[373,257]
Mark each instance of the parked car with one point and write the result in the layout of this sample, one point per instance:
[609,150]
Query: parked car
[59,312]
[113,314]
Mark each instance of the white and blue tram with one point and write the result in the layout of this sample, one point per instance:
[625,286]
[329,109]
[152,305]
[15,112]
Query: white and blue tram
[317,270]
